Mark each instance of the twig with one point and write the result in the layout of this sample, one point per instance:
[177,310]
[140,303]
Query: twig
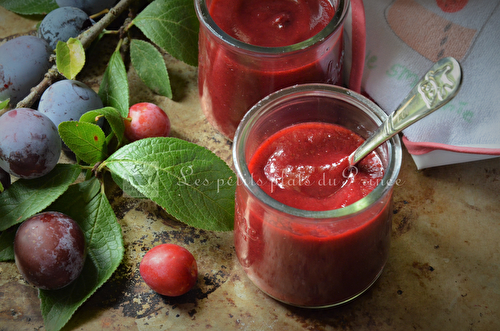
[86,38]
[36,92]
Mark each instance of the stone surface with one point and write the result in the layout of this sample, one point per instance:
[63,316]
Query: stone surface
[443,271]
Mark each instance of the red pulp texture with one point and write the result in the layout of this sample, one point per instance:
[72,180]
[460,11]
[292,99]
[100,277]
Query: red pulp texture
[309,262]
[299,167]
[271,23]
[232,80]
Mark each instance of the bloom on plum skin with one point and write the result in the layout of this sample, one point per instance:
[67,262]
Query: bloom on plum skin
[30,145]
[50,250]
[146,120]
[63,23]
[23,63]
[169,269]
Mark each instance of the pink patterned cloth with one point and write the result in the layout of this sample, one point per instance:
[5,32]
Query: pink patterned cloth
[404,38]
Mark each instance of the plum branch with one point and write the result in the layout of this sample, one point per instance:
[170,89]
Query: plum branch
[86,38]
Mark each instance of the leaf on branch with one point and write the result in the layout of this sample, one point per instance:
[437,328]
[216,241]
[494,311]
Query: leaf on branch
[7,244]
[89,207]
[29,7]
[190,182]
[172,25]
[26,197]
[114,86]
[150,66]
[70,57]
[112,115]
[86,140]
[4,104]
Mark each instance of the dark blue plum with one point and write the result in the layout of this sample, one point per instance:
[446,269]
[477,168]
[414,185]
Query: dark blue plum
[23,63]
[91,7]
[68,100]
[62,24]
[30,146]
[4,179]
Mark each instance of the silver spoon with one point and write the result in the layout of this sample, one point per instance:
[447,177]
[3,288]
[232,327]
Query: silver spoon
[438,86]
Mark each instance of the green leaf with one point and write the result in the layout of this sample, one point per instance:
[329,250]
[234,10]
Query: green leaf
[87,205]
[114,86]
[29,7]
[86,140]
[172,25]
[26,197]
[150,66]
[190,182]
[113,117]
[7,244]
[4,104]
[70,57]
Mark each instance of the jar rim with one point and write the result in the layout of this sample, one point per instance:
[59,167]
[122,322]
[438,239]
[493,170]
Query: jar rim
[206,20]
[394,150]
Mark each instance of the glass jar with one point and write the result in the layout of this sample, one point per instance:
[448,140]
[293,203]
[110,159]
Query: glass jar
[312,258]
[233,75]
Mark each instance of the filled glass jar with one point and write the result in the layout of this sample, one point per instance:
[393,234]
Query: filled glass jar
[249,49]
[303,238]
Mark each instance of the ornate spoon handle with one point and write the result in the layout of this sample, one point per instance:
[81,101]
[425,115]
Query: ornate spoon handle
[439,85]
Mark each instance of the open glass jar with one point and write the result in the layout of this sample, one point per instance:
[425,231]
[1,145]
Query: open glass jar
[312,258]
[234,75]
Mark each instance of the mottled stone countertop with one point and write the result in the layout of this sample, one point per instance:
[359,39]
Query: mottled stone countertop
[443,271]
